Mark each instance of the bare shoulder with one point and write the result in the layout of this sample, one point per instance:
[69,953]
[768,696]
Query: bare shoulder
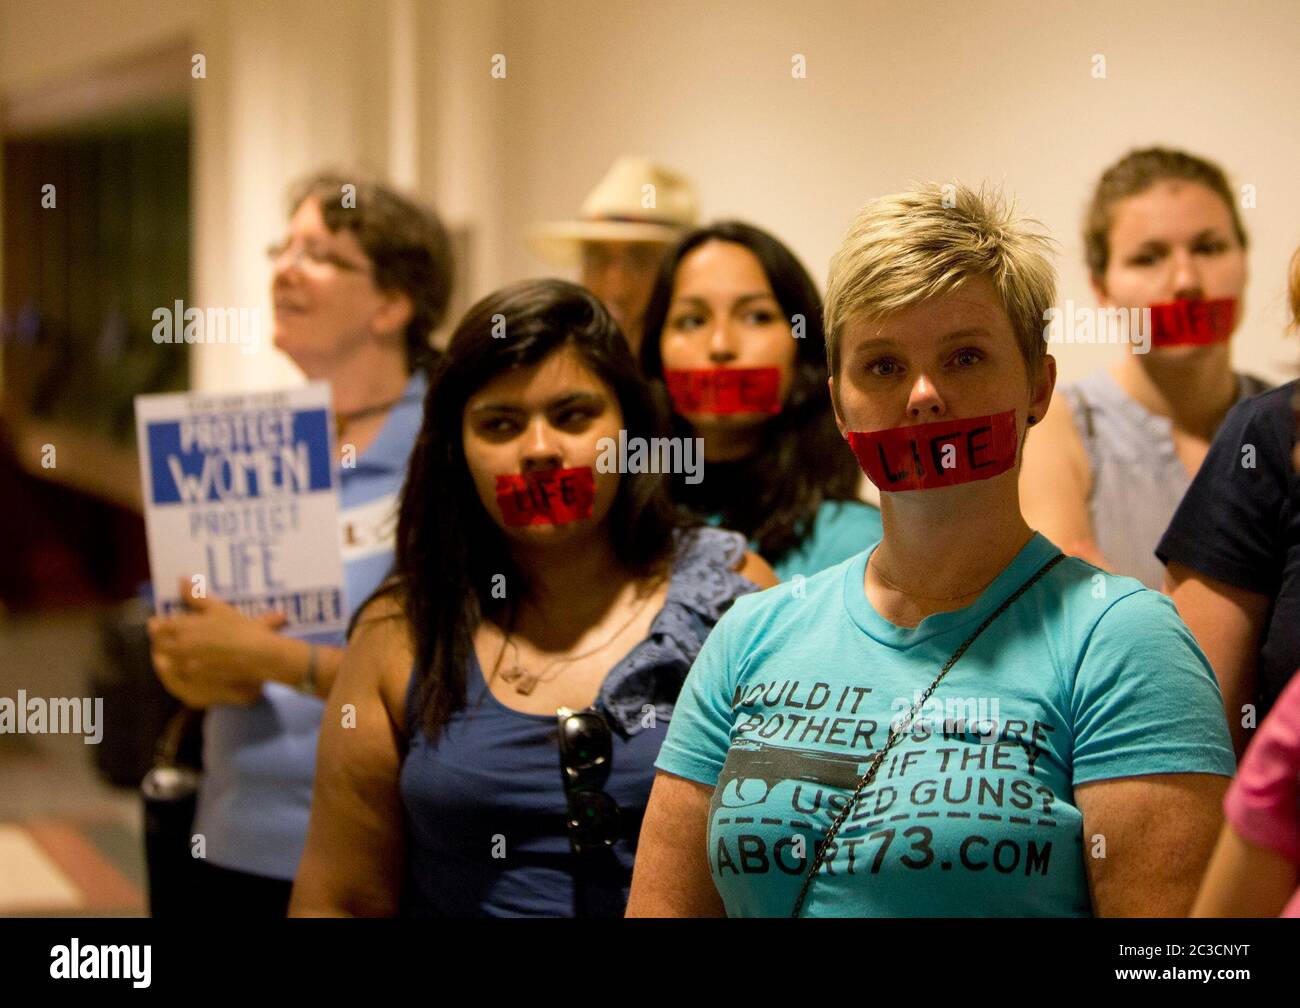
[756,569]
[380,653]
[1056,439]
[1056,483]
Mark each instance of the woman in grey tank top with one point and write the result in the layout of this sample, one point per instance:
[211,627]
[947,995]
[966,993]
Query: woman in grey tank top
[1109,464]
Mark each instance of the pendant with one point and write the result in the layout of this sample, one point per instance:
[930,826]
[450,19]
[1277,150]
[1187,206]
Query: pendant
[522,681]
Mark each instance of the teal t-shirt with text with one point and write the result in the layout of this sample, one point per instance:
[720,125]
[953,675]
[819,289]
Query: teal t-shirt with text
[1086,677]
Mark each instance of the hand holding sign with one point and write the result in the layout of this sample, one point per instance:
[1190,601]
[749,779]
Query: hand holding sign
[946,453]
[548,497]
[212,654]
[725,390]
[242,489]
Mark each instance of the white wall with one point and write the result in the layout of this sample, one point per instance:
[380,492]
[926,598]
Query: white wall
[997,90]
[894,92]
[50,40]
[291,86]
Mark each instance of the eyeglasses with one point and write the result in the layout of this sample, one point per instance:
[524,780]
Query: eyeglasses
[586,751]
[314,256]
[641,257]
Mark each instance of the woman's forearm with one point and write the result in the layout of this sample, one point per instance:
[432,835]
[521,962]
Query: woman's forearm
[291,659]
[1244,880]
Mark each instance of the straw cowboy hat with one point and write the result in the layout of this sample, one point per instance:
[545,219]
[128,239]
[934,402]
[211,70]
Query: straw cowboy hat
[622,208]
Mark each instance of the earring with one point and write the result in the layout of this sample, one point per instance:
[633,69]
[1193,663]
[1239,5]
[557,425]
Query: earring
[1033,419]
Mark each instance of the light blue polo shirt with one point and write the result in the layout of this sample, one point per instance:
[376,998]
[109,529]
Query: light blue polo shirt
[259,761]
[1086,677]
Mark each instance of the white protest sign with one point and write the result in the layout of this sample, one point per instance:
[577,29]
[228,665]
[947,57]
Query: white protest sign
[242,490]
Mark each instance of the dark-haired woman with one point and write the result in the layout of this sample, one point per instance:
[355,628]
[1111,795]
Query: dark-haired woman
[734,333]
[358,287]
[512,685]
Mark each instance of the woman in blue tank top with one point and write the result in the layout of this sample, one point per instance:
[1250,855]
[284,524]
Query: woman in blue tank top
[490,741]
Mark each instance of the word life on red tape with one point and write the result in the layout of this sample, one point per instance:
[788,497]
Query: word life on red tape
[546,497]
[1192,323]
[941,454]
[725,390]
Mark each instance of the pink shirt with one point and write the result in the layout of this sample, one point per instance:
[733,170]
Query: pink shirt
[1263,803]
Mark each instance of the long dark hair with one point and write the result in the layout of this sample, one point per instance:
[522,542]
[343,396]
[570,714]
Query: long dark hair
[802,462]
[448,548]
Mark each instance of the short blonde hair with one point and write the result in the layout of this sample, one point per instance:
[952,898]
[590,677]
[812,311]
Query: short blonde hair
[912,246]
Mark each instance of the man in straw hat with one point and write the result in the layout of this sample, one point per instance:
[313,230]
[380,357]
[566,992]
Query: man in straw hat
[627,223]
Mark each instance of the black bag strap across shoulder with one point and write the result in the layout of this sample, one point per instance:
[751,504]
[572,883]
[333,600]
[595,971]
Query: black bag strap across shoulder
[901,726]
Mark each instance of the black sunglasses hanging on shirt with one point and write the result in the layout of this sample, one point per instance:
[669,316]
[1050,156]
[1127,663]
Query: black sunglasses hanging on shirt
[586,751]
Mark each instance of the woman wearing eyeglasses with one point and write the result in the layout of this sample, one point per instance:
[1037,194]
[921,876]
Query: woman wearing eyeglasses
[958,720]
[358,285]
[737,348]
[510,690]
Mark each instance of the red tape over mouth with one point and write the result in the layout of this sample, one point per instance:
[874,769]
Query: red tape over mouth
[547,497]
[725,390]
[946,453]
[1192,323]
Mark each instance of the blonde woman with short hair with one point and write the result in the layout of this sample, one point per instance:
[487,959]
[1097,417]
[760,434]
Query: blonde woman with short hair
[960,720]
